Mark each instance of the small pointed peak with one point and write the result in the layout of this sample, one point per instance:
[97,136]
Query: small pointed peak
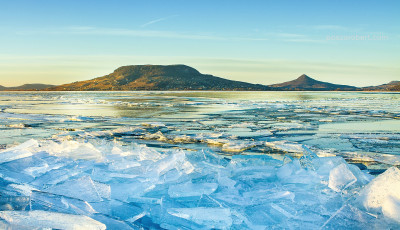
[303,76]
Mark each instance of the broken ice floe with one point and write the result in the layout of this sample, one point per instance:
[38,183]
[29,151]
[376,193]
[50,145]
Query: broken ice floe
[103,184]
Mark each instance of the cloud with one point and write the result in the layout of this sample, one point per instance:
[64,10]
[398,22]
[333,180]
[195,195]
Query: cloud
[87,30]
[324,27]
[288,35]
[294,37]
[304,40]
[329,27]
[158,20]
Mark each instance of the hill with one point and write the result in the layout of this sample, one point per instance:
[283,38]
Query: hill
[26,87]
[305,82]
[391,86]
[157,77]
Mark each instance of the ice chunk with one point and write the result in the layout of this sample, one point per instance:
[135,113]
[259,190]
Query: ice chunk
[104,190]
[175,160]
[111,223]
[341,178]
[237,147]
[287,170]
[56,176]
[23,189]
[382,193]
[18,126]
[309,160]
[106,176]
[391,208]
[83,188]
[350,217]
[122,164]
[184,139]
[74,150]
[242,161]
[51,202]
[285,146]
[130,190]
[18,152]
[122,131]
[118,209]
[159,136]
[219,218]
[190,189]
[153,124]
[43,219]
[13,202]
[145,153]
[217,142]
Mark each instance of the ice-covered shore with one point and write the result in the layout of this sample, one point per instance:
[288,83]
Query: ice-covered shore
[98,185]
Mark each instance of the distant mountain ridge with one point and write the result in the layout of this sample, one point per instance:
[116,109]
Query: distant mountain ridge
[305,82]
[158,77]
[391,86]
[26,87]
[182,77]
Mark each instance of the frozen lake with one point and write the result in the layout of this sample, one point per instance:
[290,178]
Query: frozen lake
[200,160]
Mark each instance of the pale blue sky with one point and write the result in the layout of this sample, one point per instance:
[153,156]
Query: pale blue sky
[347,42]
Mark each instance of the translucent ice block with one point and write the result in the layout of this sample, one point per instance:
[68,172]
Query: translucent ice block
[43,219]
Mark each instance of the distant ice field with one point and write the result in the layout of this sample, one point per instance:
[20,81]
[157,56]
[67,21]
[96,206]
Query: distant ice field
[200,160]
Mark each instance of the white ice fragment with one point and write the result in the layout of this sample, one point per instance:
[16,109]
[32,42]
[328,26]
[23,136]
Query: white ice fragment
[117,151]
[216,142]
[219,218]
[127,130]
[37,171]
[282,211]
[146,153]
[175,160]
[153,124]
[309,160]
[130,190]
[285,146]
[82,188]
[183,139]
[104,190]
[20,151]
[191,189]
[341,178]
[74,150]
[287,170]
[282,195]
[24,189]
[382,193]
[236,147]
[159,136]
[18,126]
[122,164]
[137,217]
[53,202]
[391,208]
[50,220]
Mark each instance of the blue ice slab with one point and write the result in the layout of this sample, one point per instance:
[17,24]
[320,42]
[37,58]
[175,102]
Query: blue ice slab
[17,203]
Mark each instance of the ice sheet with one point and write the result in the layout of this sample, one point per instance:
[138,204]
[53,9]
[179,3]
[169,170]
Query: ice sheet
[156,160]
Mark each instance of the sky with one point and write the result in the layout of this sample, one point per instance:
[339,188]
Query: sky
[344,42]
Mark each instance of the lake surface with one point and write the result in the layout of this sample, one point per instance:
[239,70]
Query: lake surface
[355,125]
[201,160]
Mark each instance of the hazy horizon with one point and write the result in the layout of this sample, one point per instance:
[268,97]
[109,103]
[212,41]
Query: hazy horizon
[265,42]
